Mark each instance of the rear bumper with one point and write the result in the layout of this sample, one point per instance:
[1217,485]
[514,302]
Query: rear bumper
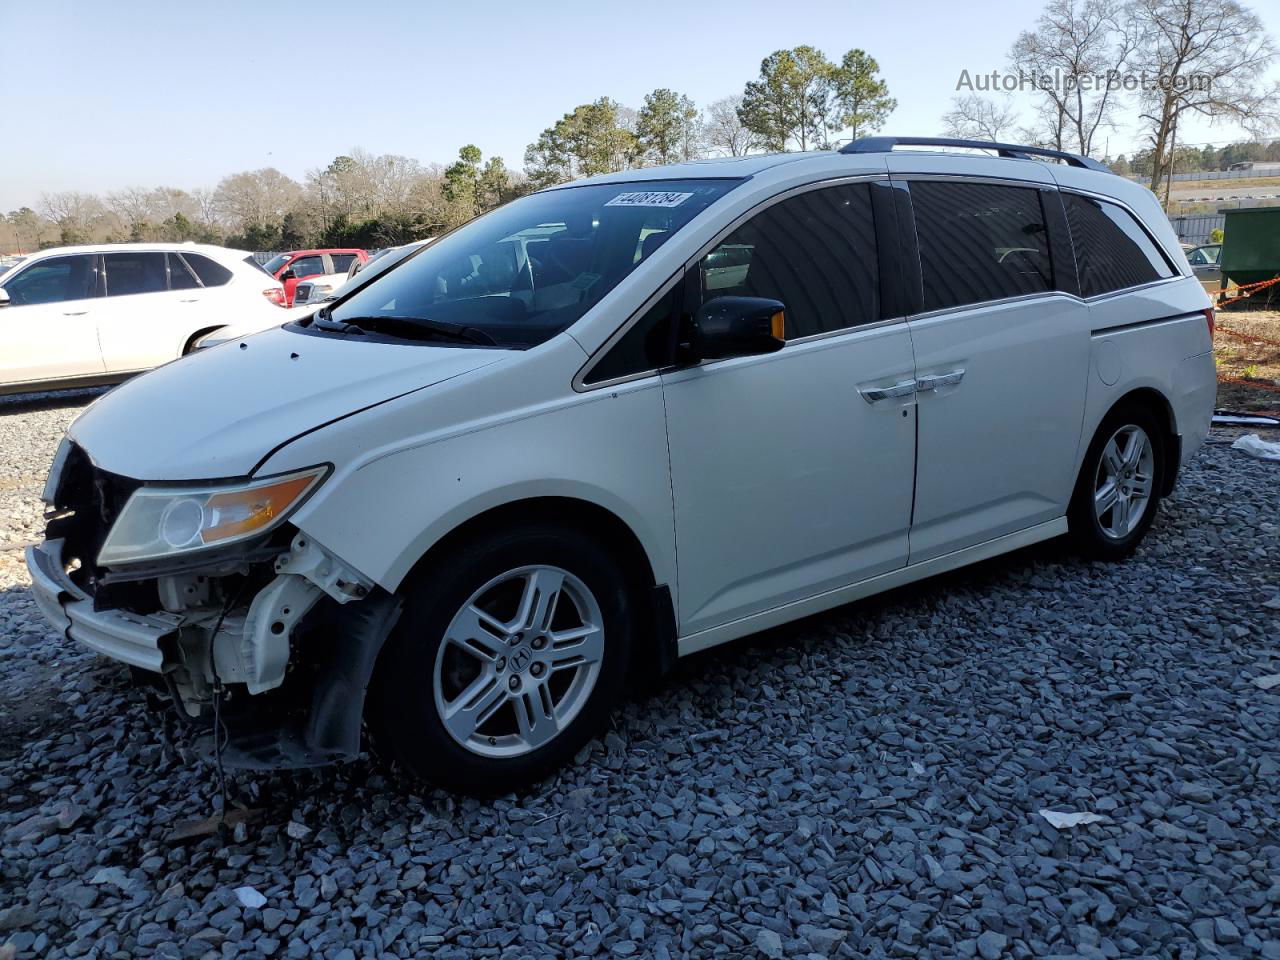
[131,638]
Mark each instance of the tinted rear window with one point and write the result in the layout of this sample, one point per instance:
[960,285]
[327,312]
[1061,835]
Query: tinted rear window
[979,242]
[1112,250]
[210,272]
[135,272]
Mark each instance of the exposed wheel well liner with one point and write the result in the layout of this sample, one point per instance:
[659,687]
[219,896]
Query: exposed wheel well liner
[1159,406]
[652,600]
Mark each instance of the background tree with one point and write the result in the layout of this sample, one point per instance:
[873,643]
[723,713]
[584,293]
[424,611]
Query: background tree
[1074,42]
[792,101]
[590,140]
[975,117]
[133,206]
[27,229]
[256,201]
[861,96]
[74,213]
[462,184]
[723,130]
[495,187]
[1211,58]
[667,127]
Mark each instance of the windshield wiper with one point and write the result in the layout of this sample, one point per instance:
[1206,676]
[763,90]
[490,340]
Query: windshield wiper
[410,328]
[321,321]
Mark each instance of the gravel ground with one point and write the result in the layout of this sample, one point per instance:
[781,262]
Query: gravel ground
[865,783]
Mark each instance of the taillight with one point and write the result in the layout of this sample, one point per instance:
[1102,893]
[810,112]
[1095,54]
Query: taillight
[1209,318]
[275,295]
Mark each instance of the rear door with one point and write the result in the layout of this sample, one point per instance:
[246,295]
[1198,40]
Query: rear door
[791,472]
[48,331]
[1002,356]
[141,321]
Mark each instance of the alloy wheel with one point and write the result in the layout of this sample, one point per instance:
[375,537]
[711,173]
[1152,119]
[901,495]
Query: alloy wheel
[1124,481]
[519,661]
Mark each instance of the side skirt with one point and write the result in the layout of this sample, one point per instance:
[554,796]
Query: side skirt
[865,588]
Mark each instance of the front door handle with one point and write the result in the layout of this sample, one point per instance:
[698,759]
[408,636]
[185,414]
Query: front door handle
[937,380]
[875,394]
[75,313]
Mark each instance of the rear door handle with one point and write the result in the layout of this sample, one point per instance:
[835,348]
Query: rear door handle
[937,380]
[75,313]
[904,388]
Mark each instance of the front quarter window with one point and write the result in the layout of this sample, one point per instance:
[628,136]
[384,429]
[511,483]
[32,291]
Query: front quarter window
[529,270]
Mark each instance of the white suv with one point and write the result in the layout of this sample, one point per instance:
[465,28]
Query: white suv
[620,421]
[81,316]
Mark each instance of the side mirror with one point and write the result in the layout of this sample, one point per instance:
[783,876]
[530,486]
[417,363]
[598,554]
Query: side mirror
[736,327]
[4,298]
[288,275]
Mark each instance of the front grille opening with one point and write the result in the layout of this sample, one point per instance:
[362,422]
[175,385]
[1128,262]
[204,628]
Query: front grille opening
[86,504]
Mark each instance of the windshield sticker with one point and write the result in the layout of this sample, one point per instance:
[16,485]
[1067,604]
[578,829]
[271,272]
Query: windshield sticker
[649,199]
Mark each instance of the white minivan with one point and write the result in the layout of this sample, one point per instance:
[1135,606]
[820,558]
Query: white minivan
[90,315]
[470,504]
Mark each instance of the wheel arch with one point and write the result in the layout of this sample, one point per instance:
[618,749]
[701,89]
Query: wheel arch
[593,519]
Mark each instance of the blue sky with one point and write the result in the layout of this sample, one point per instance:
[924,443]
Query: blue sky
[100,96]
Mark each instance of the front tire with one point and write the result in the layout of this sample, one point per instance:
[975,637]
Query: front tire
[1118,491]
[508,658]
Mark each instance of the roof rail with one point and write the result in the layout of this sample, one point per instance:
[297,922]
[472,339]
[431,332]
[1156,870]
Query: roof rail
[1013,150]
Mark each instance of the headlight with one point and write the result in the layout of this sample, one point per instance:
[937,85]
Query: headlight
[163,521]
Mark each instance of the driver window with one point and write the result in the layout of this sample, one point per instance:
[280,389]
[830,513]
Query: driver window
[815,251]
[307,267]
[55,280]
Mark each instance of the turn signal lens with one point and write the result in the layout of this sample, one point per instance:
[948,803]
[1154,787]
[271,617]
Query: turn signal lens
[778,322]
[247,511]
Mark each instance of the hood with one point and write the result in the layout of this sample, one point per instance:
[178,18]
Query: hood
[218,412]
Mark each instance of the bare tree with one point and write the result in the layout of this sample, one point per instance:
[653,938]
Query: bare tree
[133,206]
[974,117]
[259,198]
[1073,57]
[722,129]
[206,205]
[1206,57]
[75,214]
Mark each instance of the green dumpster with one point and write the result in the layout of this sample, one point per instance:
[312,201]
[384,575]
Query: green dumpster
[1251,247]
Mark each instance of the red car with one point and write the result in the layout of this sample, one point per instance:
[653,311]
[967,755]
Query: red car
[289,268]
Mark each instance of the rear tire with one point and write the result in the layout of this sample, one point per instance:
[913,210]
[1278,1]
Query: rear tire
[489,681]
[1118,491]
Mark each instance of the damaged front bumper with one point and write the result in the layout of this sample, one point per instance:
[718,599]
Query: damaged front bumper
[292,659]
[131,638]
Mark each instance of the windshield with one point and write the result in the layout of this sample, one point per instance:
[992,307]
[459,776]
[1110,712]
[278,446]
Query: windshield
[276,262]
[530,269]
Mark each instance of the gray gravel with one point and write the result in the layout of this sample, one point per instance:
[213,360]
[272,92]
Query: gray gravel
[866,783]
